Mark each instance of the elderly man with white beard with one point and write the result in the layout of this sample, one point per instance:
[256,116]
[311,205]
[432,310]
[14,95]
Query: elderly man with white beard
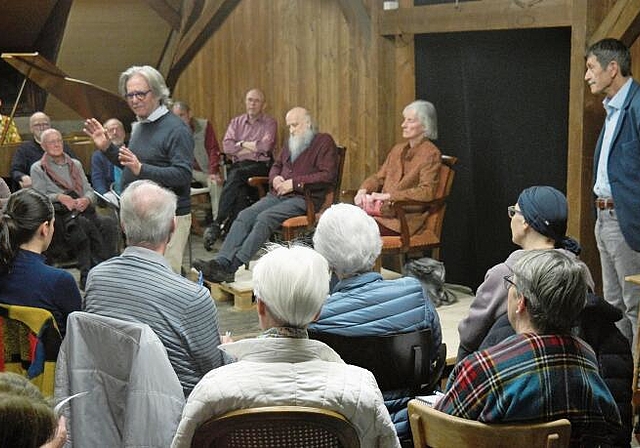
[307,158]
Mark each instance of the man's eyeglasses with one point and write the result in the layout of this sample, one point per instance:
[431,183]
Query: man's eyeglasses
[137,95]
[511,211]
[508,282]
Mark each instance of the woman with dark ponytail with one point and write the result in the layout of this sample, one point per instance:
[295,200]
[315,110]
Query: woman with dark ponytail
[26,229]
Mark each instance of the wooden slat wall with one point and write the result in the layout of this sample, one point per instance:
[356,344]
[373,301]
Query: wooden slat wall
[300,53]
[304,52]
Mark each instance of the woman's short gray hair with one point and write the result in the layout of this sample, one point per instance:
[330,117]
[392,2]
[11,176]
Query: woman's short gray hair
[554,287]
[426,113]
[154,79]
[293,282]
[348,238]
[147,211]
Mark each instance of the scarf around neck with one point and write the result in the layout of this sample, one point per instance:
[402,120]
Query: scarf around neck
[76,177]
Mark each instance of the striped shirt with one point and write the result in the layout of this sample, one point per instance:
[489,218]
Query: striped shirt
[139,286]
[531,377]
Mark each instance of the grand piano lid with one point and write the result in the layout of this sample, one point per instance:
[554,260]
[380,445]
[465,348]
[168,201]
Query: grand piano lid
[86,99]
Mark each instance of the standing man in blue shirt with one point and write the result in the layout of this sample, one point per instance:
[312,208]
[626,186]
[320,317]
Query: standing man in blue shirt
[617,177]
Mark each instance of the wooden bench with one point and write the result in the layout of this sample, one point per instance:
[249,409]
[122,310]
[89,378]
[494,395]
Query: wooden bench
[240,292]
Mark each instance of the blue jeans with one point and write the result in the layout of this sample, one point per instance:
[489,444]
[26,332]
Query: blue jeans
[255,224]
[618,260]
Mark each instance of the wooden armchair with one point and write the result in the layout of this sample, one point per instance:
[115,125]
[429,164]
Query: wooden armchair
[277,426]
[297,224]
[432,428]
[429,237]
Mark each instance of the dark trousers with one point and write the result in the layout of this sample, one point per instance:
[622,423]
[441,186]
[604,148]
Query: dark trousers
[236,193]
[89,237]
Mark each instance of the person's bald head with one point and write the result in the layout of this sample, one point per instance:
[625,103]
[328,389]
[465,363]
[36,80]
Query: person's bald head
[39,122]
[298,121]
[115,131]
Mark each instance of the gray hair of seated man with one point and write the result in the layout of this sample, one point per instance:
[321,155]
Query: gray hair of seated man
[147,211]
[554,287]
[293,282]
[155,80]
[349,239]
[426,113]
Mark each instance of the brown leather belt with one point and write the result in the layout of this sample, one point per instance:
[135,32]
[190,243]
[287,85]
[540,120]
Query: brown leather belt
[604,204]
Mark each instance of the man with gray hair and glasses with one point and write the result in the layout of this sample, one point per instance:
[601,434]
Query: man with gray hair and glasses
[543,372]
[139,286]
[160,148]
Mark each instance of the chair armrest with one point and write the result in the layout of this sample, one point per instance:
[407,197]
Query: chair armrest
[348,196]
[261,183]
[400,208]
[309,189]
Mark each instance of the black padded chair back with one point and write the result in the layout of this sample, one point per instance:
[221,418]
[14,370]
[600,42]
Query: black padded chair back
[397,361]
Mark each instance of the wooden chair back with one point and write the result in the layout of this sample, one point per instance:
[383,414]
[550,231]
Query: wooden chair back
[333,194]
[435,429]
[430,236]
[277,426]
[445,184]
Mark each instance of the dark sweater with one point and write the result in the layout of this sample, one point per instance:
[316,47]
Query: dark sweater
[165,149]
[33,283]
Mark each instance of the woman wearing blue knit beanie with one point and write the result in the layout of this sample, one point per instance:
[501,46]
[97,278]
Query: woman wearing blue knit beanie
[538,221]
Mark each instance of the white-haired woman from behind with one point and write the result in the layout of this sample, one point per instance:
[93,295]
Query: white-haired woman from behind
[362,303]
[283,366]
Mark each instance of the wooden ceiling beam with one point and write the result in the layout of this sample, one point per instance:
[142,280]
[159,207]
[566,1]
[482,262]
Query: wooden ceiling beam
[356,14]
[166,12]
[482,15]
[622,22]
[191,10]
[212,16]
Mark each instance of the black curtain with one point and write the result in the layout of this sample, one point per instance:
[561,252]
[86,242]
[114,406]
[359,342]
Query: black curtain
[502,100]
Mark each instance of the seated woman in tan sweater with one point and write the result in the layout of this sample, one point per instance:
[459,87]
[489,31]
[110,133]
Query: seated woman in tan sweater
[411,171]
